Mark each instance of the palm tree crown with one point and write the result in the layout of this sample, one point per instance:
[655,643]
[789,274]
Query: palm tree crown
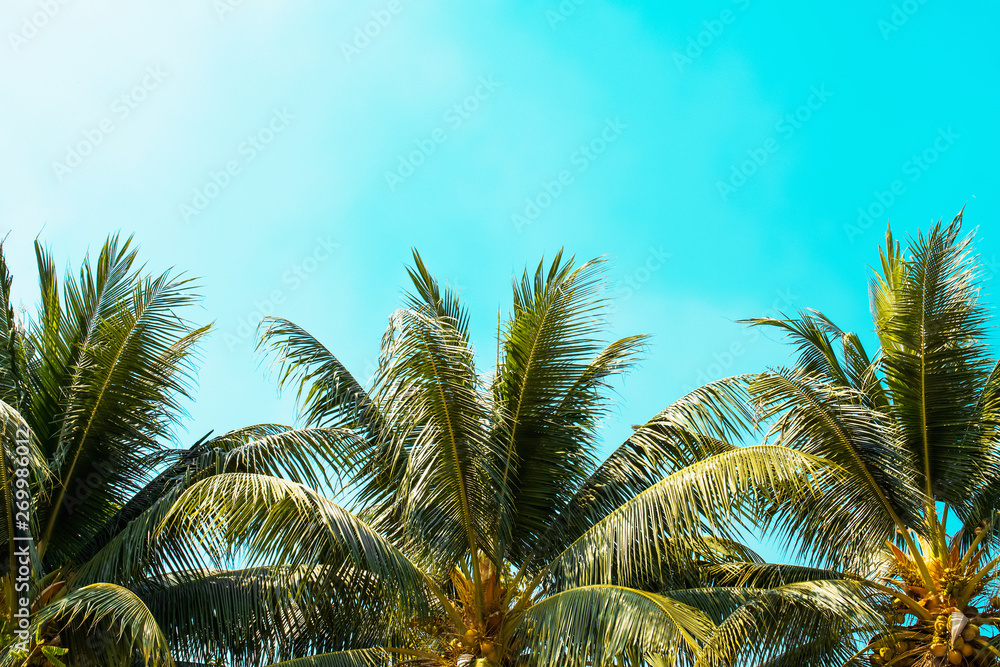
[476,523]
[91,392]
[909,436]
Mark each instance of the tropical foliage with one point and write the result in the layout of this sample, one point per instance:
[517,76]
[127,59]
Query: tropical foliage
[477,524]
[913,431]
[90,398]
[468,517]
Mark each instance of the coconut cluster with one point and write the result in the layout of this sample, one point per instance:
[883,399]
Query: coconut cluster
[929,645]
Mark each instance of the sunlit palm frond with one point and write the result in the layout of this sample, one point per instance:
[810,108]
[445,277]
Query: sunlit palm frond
[694,427]
[368,657]
[449,494]
[719,496]
[878,492]
[132,367]
[931,326]
[592,624]
[116,609]
[327,393]
[273,521]
[550,389]
[127,547]
[768,623]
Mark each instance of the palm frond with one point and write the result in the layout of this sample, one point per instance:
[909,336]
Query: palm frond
[114,607]
[877,494]
[128,546]
[696,426]
[931,326]
[718,496]
[550,391]
[267,614]
[13,346]
[271,521]
[447,495]
[774,623]
[368,657]
[128,366]
[326,392]
[591,625]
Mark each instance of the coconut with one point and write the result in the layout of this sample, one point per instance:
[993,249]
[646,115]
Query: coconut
[970,632]
[938,650]
[959,643]
[954,657]
[885,653]
[967,650]
[489,650]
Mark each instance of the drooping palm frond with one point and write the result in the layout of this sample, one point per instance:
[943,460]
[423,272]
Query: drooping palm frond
[117,609]
[696,426]
[327,393]
[267,614]
[128,547]
[592,624]
[831,354]
[272,521]
[366,657]
[981,433]
[721,491]
[877,494]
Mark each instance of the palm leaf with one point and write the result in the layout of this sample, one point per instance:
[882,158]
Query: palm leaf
[115,607]
[592,624]
[549,392]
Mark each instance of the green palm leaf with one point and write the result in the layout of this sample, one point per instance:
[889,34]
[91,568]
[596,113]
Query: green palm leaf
[592,624]
[274,521]
[118,608]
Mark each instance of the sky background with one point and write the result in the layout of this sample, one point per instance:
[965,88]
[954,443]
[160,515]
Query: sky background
[730,158]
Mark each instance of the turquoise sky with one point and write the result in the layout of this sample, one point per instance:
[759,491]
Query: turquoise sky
[729,157]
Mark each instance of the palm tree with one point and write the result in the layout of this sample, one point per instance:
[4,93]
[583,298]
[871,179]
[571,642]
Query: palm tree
[476,524]
[91,393]
[910,433]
